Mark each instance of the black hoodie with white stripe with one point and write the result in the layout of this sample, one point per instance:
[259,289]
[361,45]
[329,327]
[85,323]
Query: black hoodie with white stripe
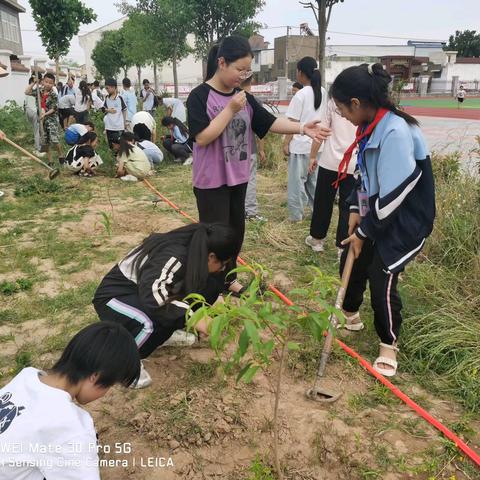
[159,287]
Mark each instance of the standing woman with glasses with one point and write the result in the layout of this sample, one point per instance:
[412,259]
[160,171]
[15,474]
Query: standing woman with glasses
[223,121]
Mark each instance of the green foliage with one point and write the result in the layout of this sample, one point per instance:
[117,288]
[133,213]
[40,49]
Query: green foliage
[466,43]
[109,54]
[446,167]
[23,359]
[137,44]
[107,223]
[216,19]
[58,21]
[14,122]
[36,185]
[260,471]
[19,285]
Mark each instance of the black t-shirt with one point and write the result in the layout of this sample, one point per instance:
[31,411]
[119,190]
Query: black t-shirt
[79,151]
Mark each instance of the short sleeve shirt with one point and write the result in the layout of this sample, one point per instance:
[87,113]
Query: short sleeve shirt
[226,160]
[178,108]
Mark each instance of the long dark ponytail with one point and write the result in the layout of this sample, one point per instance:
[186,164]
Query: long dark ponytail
[166,121]
[86,94]
[308,66]
[200,240]
[368,83]
[126,141]
[231,49]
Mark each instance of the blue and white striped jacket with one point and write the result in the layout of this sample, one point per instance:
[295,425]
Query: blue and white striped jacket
[401,192]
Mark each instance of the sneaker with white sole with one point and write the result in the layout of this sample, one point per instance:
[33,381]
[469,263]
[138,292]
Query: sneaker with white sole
[38,153]
[317,245]
[144,380]
[188,161]
[180,338]
[129,178]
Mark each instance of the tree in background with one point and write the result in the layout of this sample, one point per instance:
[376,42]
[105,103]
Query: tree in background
[214,20]
[322,9]
[170,23]
[58,21]
[108,54]
[137,45]
[466,43]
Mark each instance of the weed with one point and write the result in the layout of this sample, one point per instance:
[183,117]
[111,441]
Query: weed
[260,470]
[23,359]
[37,185]
[19,285]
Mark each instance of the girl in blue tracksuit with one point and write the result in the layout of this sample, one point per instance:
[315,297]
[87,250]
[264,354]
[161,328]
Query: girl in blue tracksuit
[392,207]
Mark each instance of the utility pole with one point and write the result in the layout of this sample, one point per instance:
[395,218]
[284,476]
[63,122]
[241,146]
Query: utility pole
[286,52]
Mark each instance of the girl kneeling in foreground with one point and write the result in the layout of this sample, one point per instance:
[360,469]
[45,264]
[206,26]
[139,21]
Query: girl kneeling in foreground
[392,207]
[144,292]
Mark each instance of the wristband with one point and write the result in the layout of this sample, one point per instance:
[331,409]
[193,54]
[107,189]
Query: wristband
[302,126]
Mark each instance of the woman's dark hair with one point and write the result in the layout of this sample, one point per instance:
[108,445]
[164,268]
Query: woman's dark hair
[308,66]
[297,85]
[200,240]
[86,94]
[166,121]
[103,348]
[89,123]
[231,49]
[88,137]
[126,147]
[96,83]
[145,81]
[142,132]
[368,83]
[126,83]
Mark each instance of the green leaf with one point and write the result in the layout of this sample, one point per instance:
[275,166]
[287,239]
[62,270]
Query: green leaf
[293,346]
[243,342]
[247,373]
[252,331]
[216,329]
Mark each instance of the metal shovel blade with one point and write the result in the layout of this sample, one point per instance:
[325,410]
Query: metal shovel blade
[53,173]
[322,395]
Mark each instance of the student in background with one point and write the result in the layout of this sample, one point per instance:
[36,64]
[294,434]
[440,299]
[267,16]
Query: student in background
[296,86]
[41,408]
[178,144]
[258,153]
[97,96]
[75,131]
[175,108]
[148,121]
[48,108]
[82,158]
[144,141]
[69,88]
[31,111]
[130,100]
[115,113]
[144,292]
[83,101]
[147,97]
[460,96]
[132,164]
[309,104]
[66,111]
[392,207]
[343,134]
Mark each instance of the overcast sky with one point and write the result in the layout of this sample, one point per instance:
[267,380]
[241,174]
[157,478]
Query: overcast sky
[359,21]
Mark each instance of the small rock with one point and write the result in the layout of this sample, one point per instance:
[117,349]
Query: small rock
[173,444]
[173,358]
[207,437]
[140,419]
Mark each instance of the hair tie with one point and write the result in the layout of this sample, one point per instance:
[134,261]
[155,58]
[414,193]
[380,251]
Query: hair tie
[370,69]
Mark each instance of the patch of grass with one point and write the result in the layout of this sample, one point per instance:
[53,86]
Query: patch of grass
[377,395]
[259,470]
[8,316]
[37,185]
[19,285]
[199,373]
[23,359]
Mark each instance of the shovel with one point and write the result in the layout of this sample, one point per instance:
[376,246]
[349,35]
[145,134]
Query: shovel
[43,147]
[53,171]
[317,392]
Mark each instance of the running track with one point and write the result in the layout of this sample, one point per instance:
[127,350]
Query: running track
[469,114]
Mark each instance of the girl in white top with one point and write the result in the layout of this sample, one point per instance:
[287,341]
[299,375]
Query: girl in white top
[308,104]
[343,135]
[83,100]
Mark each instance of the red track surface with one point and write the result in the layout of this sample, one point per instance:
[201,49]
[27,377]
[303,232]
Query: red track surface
[470,113]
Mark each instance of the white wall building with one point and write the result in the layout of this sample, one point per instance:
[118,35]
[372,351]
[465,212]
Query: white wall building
[189,69]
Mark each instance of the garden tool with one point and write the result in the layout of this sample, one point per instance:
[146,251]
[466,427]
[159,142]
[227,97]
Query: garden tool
[319,393]
[53,171]
[43,147]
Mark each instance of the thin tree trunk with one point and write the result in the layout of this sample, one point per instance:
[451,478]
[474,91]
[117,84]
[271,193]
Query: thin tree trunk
[155,77]
[139,76]
[276,432]
[322,33]
[57,69]
[175,73]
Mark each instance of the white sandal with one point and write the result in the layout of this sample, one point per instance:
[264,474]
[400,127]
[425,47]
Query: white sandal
[350,323]
[386,372]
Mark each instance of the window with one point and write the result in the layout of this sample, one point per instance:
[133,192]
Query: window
[10,27]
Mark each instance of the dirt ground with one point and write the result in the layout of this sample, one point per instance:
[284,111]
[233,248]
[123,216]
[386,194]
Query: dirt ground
[193,422]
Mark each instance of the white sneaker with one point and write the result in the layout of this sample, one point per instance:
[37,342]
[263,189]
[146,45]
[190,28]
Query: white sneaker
[38,153]
[144,380]
[188,161]
[339,254]
[315,244]
[180,338]
[129,178]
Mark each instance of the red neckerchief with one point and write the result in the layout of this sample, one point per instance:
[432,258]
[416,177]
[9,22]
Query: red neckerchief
[343,167]
[43,101]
